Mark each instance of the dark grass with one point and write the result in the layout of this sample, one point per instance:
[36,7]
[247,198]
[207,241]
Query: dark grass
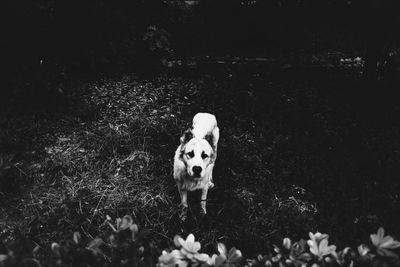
[300,150]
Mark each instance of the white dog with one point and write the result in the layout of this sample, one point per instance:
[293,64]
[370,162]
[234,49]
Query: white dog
[195,158]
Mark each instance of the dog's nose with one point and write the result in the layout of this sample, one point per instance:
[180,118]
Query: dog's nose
[197,170]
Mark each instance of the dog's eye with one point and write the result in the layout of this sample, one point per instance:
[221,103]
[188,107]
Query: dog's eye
[204,155]
[190,154]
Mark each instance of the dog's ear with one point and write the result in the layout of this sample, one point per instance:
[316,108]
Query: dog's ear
[210,139]
[187,135]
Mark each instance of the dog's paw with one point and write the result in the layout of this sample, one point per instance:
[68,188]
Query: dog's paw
[183,216]
[183,213]
[203,211]
[210,185]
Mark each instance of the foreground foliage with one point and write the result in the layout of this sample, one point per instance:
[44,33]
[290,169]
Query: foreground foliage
[127,246]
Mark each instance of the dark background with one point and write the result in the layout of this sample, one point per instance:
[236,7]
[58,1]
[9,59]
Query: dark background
[99,92]
[43,40]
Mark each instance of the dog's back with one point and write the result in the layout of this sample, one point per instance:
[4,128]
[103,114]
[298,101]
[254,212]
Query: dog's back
[206,124]
[203,124]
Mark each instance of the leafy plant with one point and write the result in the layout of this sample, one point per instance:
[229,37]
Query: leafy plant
[188,254]
[124,246]
[317,252]
[127,246]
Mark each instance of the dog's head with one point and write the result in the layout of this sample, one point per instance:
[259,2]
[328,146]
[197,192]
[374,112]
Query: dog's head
[196,153]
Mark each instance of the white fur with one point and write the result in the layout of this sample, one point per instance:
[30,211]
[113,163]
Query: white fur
[197,152]
[203,123]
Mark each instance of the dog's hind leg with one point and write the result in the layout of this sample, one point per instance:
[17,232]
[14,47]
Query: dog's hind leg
[203,201]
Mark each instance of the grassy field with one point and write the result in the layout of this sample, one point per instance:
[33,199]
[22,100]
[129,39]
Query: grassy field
[299,151]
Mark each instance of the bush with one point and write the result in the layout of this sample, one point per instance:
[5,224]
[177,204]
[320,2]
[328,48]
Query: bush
[127,246]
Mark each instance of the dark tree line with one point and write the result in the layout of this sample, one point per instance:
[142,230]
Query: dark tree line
[52,34]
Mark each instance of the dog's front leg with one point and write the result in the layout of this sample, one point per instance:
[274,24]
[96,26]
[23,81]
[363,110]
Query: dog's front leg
[184,198]
[211,183]
[203,201]
[184,205]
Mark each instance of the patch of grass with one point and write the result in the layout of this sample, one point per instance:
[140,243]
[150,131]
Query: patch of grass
[284,166]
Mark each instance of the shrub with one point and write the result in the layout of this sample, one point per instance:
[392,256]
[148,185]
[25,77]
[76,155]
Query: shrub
[317,252]
[124,246]
[127,246]
[188,255]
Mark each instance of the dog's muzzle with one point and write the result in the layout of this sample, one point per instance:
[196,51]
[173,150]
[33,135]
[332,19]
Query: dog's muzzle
[197,171]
